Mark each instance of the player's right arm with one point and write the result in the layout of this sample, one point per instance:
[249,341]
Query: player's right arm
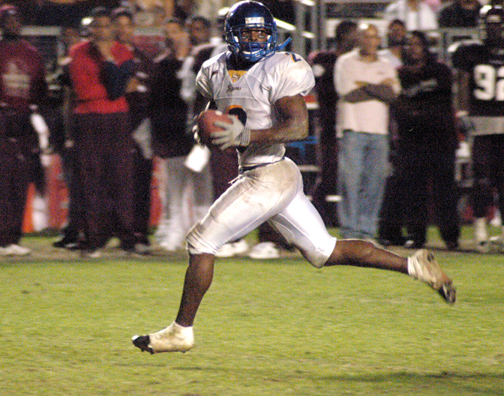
[292,124]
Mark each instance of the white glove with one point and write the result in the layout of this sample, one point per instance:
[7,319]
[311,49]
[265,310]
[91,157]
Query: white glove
[235,134]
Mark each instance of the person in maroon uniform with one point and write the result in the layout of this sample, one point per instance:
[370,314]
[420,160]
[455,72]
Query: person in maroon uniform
[22,84]
[100,70]
[480,67]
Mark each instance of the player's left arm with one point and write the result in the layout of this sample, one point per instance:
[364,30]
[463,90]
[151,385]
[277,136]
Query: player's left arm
[384,91]
[387,89]
[39,89]
[462,98]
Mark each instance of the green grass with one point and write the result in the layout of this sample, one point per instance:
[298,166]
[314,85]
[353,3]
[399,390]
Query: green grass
[276,327]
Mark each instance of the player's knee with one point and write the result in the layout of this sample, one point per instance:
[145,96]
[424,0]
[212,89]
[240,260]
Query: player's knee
[317,262]
[196,244]
[319,255]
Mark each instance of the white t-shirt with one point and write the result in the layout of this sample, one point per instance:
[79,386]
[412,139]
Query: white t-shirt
[370,116]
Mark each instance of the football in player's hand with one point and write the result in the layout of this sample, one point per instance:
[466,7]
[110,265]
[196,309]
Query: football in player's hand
[206,124]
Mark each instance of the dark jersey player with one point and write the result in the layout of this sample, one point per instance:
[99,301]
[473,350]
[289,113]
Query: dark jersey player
[480,67]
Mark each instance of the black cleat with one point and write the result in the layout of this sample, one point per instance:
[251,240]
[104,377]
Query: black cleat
[448,292]
[142,342]
[67,243]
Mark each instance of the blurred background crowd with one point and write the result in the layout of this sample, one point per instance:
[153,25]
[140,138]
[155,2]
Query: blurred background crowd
[97,104]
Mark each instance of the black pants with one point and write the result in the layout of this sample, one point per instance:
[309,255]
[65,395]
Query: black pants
[420,175]
[488,172]
[104,170]
[17,141]
[142,196]
[326,184]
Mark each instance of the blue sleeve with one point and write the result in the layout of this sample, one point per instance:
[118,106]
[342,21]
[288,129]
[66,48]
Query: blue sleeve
[115,78]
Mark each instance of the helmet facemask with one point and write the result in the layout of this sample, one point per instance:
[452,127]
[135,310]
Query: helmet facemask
[250,50]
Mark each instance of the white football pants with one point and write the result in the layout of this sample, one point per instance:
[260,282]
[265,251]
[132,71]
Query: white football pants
[273,193]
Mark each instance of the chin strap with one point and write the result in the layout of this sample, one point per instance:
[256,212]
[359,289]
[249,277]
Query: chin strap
[282,46]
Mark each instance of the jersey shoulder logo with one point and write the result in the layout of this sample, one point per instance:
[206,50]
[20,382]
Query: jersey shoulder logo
[295,57]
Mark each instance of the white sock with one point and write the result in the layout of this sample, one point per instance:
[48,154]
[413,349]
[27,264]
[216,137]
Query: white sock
[480,231]
[182,329]
[411,267]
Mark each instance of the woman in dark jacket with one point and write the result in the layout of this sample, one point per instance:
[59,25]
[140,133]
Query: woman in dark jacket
[427,144]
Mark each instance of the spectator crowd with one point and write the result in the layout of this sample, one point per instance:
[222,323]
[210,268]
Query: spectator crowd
[388,127]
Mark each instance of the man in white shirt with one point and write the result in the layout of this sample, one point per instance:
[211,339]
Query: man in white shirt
[366,83]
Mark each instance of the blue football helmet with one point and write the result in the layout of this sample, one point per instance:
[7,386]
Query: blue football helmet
[247,15]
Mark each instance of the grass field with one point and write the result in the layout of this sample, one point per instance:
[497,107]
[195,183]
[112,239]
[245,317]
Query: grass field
[276,327]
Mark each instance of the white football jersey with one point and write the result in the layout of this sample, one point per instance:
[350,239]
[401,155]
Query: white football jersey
[251,94]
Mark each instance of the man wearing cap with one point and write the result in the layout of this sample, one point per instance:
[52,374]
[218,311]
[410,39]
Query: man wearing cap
[22,86]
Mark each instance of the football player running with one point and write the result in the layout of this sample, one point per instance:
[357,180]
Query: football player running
[261,88]
[480,80]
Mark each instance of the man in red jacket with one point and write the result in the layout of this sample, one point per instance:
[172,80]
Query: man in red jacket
[99,71]
[22,84]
